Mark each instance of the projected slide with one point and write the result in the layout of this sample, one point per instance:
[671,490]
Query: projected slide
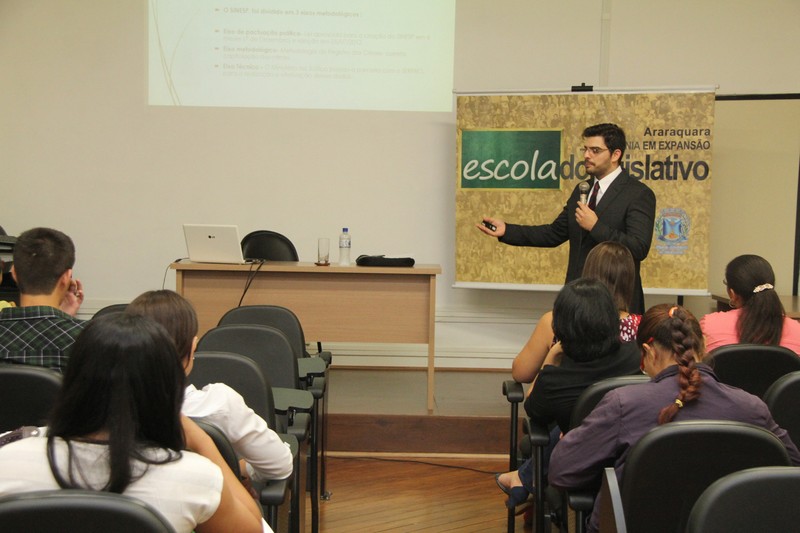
[321,54]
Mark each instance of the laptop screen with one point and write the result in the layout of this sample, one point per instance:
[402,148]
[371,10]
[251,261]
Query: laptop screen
[207,243]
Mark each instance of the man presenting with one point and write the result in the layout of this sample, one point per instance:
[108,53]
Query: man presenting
[41,330]
[619,208]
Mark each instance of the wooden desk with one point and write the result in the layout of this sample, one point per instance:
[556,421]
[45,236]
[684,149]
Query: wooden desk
[336,304]
[791,304]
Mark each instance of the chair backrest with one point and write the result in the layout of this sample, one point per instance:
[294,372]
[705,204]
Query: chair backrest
[783,399]
[240,373]
[265,345]
[756,499]
[752,367]
[668,469]
[27,395]
[281,318]
[590,397]
[269,246]
[113,308]
[73,510]
[222,443]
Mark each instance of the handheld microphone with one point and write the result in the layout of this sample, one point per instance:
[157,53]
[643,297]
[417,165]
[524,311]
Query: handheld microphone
[583,188]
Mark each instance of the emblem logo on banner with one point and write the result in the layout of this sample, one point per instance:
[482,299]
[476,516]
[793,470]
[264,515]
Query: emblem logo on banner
[672,231]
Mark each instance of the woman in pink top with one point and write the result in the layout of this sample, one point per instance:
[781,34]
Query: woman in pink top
[757,316]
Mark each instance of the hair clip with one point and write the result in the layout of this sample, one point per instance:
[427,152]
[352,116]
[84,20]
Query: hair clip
[763,287]
[679,403]
[672,311]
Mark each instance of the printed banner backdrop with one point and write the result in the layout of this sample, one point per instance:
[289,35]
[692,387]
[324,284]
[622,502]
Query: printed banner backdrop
[518,160]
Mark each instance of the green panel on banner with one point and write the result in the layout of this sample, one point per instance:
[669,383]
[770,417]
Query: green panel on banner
[510,159]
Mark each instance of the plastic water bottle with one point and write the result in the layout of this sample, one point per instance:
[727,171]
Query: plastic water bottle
[344,248]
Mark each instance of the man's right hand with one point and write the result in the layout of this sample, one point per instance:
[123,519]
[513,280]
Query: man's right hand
[73,299]
[500,227]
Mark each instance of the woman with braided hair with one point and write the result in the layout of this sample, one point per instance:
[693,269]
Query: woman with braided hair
[757,316]
[682,388]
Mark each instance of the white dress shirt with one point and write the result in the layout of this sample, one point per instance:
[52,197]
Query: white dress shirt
[267,456]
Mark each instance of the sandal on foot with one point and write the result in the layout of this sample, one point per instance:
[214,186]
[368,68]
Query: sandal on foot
[505,489]
[517,496]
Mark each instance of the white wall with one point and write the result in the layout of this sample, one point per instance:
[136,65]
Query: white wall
[82,151]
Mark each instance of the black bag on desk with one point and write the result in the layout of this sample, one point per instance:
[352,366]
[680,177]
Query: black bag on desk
[383,261]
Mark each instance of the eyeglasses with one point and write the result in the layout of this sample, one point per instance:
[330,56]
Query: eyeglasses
[593,149]
[725,282]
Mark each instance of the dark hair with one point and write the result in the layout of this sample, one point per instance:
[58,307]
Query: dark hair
[612,263]
[677,330]
[173,312]
[123,378]
[41,256]
[612,135]
[585,320]
[761,319]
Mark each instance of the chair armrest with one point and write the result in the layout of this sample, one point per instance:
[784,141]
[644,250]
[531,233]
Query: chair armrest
[317,388]
[291,440]
[292,400]
[274,492]
[300,427]
[538,434]
[311,366]
[513,391]
[612,515]
[325,355]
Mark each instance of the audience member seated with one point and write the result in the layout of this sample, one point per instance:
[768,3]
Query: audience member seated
[266,456]
[586,323]
[758,316]
[42,329]
[117,427]
[609,262]
[682,388]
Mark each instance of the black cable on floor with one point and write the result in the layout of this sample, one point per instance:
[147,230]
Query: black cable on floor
[416,461]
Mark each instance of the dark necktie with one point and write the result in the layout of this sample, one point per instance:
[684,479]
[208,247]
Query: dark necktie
[593,199]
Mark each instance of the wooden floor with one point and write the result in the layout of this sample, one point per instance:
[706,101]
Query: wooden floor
[413,494]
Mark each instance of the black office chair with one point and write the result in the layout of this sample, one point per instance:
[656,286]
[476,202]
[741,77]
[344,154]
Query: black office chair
[783,399]
[113,308]
[279,317]
[582,501]
[27,394]
[537,439]
[312,370]
[222,443]
[244,376]
[84,511]
[271,350]
[269,246]
[752,367]
[668,469]
[756,500]
[8,287]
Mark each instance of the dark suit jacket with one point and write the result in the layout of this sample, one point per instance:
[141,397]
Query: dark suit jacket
[626,214]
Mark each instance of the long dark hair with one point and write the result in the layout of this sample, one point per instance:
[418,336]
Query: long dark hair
[585,320]
[677,330]
[123,378]
[761,322]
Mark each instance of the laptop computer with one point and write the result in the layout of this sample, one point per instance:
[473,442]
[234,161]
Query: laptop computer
[207,243]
